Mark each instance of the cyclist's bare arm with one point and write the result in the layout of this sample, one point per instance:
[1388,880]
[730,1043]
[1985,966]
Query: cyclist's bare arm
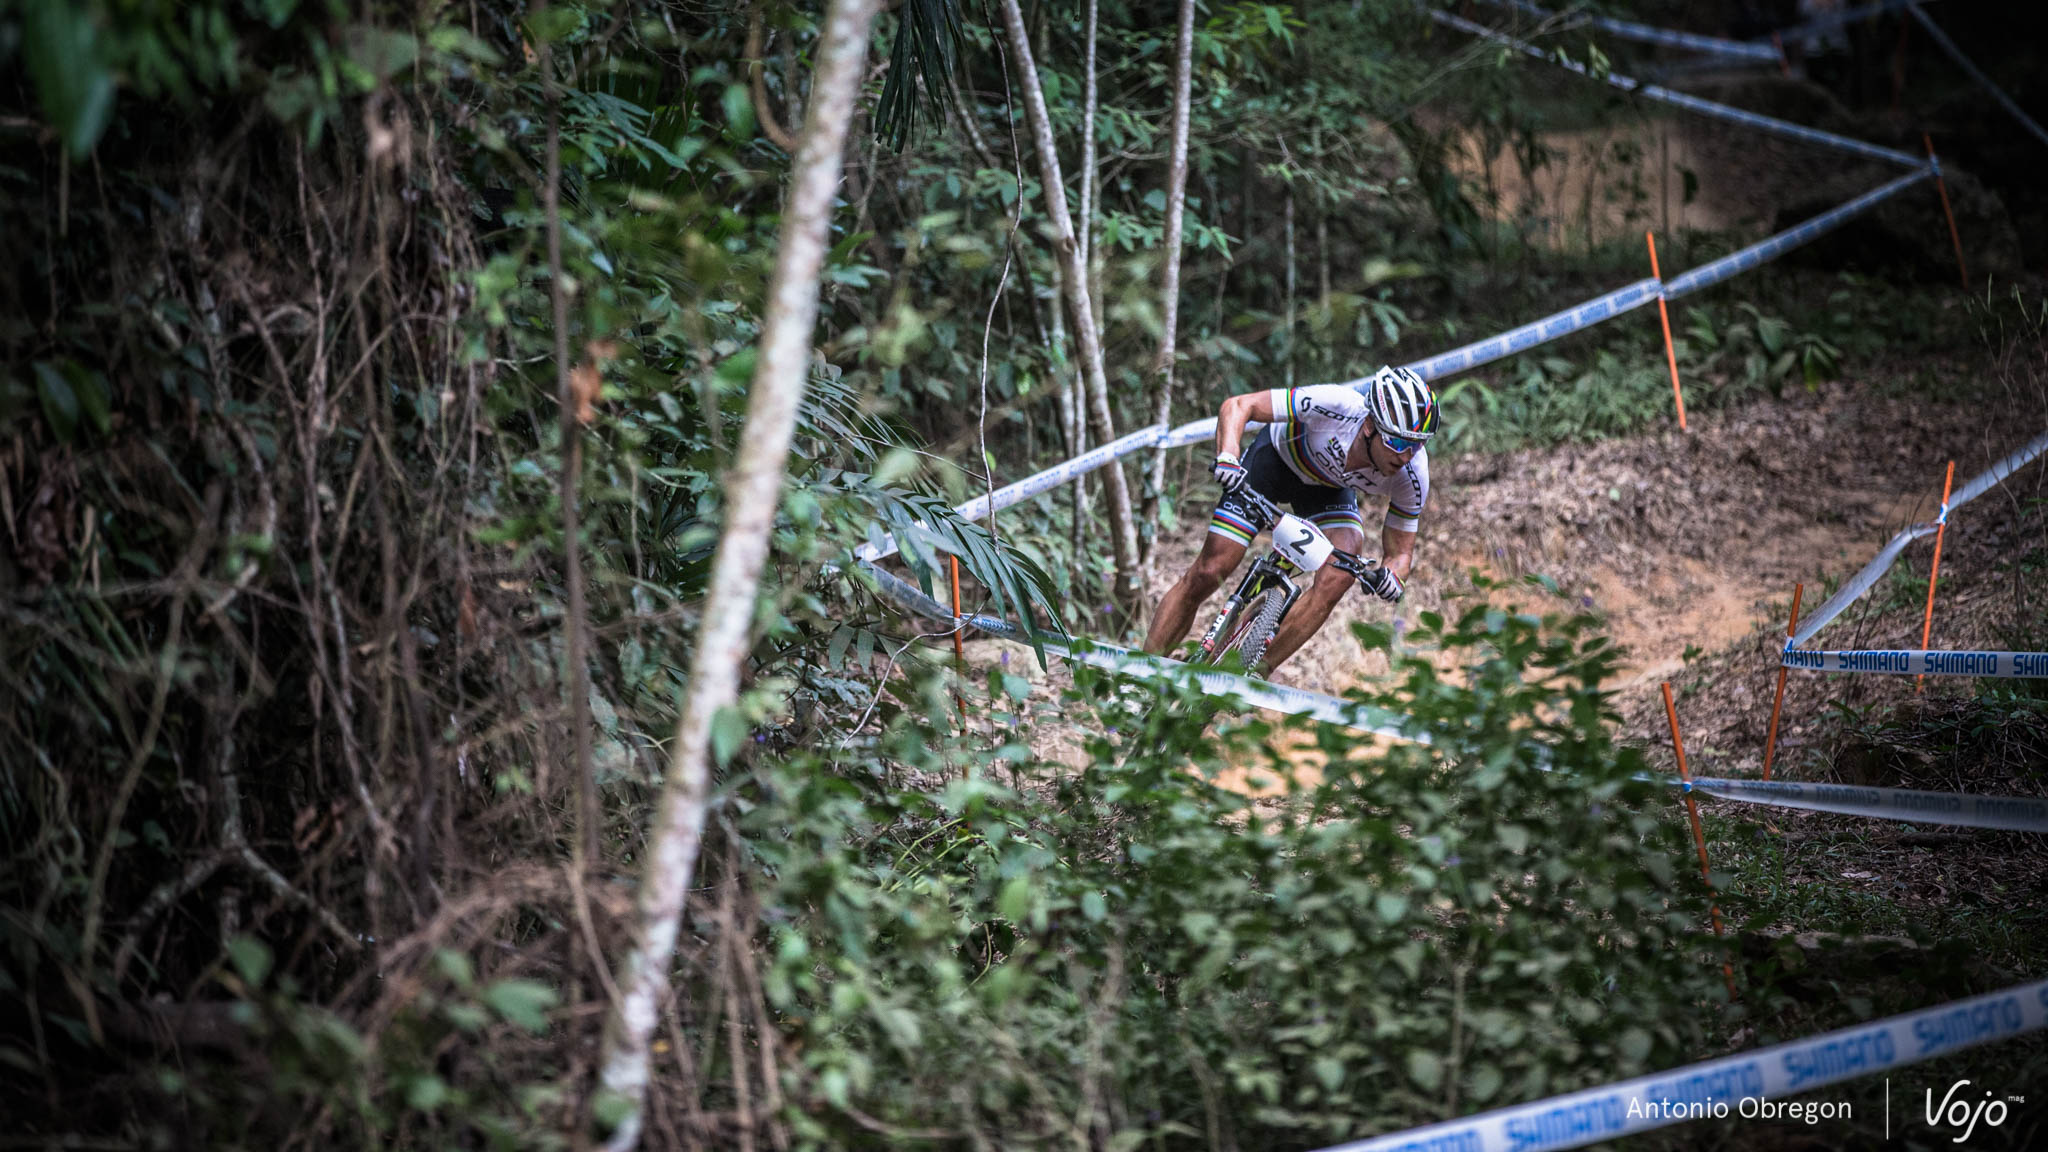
[1236,412]
[1397,551]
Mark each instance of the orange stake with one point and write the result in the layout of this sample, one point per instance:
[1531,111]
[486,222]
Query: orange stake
[1941,186]
[1784,65]
[1941,529]
[1791,626]
[1664,314]
[1699,836]
[959,649]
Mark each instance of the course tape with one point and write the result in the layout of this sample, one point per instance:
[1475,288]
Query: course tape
[1193,432]
[1736,1082]
[1691,103]
[1633,296]
[2011,813]
[1644,33]
[1835,20]
[1536,332]
[1735,263]
[1034,485]
[1142,666]
[1922,662]
[1872,572]
[1983,81]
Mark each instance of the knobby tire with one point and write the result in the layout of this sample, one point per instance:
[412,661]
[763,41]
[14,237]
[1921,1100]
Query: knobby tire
[1254,628]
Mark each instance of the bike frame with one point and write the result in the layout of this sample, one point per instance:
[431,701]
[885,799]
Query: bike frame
[1267,571]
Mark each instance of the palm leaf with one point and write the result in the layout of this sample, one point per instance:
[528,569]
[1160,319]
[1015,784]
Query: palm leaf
[928,34]
[926,527]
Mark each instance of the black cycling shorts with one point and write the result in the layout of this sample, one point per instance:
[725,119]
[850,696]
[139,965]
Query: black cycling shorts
[1323,506]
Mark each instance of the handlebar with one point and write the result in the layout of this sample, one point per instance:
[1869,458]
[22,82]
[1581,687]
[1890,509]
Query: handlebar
[1269,514]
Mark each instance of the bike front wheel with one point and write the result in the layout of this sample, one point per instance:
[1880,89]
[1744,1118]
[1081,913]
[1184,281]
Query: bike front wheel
[1253,629]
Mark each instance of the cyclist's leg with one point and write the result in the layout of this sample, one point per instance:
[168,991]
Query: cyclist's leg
[1219,557]
[1231,528]
[1339,520]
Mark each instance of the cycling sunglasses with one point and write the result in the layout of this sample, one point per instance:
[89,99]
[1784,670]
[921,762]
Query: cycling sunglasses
[1399,444]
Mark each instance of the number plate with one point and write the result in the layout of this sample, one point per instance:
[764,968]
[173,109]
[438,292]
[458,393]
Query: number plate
[1301,543]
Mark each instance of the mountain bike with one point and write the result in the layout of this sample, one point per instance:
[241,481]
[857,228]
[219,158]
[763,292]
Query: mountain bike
[1276,580]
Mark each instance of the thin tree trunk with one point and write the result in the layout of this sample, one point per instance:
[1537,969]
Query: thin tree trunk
[587,817]
[754,487]
[1124,538]
[1073,401]
[1229,257]
[1090,173]
[763,112]
[1323,260]
[1287,305]
[1169,288]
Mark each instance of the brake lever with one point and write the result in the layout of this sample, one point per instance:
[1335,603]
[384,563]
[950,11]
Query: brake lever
[1351,565]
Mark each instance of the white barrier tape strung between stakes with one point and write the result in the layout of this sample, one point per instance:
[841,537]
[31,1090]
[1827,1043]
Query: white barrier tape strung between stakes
[1833,21]
[1910,805]
[1858,584]
[1536,332]
[1630,30]
[1045,481]
[1692,1091]
[1193,432]
[1984,481]
[1642,292]
[1874,571]
[1140,665]
[1032,485]
[1922,662]
[1691,103]
[1805,232]
[1983,81]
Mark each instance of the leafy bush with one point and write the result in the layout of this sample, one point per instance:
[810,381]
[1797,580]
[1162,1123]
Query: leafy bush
[1133,950]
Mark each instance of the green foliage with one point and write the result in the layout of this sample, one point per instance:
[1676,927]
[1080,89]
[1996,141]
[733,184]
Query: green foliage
[1728,355]
[1421,930]
[1758,351]
[923,57]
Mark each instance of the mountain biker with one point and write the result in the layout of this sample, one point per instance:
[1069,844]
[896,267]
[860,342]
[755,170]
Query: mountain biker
[1320,448]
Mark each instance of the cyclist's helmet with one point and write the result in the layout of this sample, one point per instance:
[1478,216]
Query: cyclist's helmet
[1401,404]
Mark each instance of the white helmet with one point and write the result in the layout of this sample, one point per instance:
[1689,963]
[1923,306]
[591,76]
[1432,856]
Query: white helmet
[1401,404]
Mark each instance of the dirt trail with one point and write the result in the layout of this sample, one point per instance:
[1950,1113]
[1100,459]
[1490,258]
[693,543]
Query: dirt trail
[1687,543]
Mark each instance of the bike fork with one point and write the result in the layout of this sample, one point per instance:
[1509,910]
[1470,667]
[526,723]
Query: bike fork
[1263,571]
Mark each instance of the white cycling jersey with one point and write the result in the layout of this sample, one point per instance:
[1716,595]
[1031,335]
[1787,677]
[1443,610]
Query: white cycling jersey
[1314,429]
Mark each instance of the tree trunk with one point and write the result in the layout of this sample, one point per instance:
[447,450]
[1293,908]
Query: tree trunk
[575,658]
[754,488]
[1090,173]
[1124,538]
[1169,287]
[1287,305]
[1073,402]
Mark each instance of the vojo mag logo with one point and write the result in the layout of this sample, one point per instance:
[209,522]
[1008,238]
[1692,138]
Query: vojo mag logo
[1965,1106]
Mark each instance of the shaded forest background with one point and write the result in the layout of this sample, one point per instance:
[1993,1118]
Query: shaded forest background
[373,375]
